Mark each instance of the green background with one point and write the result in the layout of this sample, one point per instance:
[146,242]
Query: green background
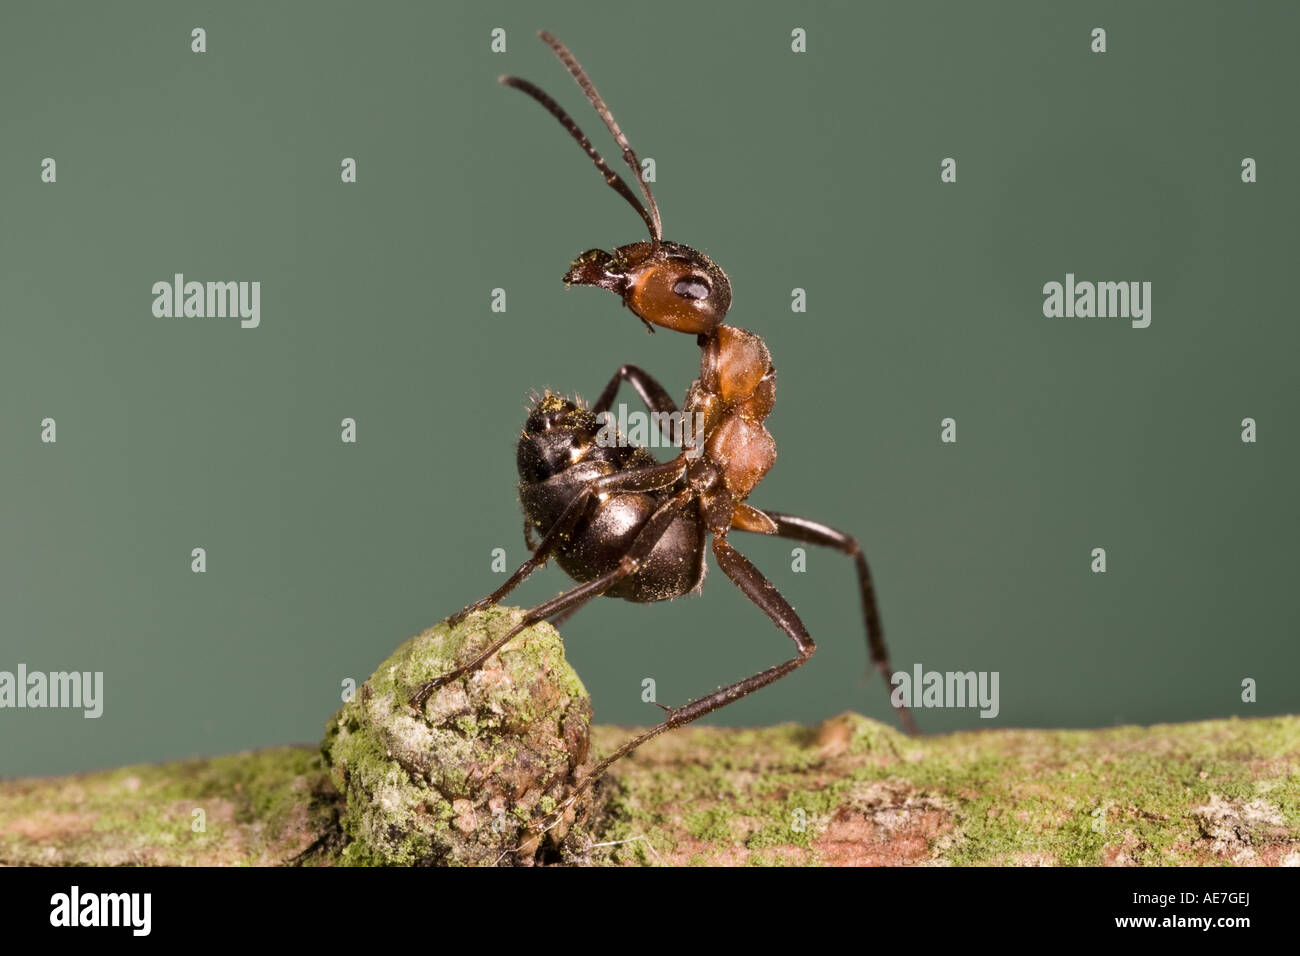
[817,170]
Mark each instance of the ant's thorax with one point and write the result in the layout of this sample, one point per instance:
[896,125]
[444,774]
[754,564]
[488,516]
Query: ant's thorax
[732,397]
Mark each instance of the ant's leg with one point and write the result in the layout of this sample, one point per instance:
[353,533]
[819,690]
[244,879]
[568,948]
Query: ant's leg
[650,478]
[654,395]
[562,617]
[644,542]
[574,597]
[759,590]
[813,532]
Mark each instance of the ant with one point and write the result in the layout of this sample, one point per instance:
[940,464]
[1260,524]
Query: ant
[617,520]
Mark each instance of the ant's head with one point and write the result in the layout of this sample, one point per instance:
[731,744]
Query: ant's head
[663,283]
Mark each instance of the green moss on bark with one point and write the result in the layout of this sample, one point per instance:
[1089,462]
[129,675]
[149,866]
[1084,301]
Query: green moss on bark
[260,808]
[472,777]
[425,788]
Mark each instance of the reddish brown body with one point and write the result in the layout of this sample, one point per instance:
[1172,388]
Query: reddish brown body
[676,287]
[735,393]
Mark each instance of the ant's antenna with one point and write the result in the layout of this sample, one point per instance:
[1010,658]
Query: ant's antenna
[629,157]
[612,179]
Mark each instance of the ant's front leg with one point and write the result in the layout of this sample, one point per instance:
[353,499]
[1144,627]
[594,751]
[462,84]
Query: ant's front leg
[654,395]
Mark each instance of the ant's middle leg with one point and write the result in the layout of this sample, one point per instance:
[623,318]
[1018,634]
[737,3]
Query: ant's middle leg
[651,478]
[765,596]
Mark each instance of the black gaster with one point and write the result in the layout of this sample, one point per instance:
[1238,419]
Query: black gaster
[558,454]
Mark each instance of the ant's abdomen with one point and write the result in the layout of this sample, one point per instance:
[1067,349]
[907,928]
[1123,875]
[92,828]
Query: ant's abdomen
[558,455]
[562,438]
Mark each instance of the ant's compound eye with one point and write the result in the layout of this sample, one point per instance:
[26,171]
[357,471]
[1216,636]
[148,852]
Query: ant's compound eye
[692,287]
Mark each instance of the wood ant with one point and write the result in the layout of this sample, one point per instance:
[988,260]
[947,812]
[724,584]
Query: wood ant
[618,521]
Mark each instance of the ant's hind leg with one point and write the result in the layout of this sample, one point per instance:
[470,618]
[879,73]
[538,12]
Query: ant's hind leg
[814,532]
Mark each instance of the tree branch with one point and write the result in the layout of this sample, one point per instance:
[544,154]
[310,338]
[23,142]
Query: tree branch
[848,792]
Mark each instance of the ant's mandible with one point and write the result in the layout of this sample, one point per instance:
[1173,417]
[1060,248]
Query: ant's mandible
[618,521]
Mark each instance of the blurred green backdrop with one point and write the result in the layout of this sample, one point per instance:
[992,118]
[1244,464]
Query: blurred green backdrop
[817,170]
